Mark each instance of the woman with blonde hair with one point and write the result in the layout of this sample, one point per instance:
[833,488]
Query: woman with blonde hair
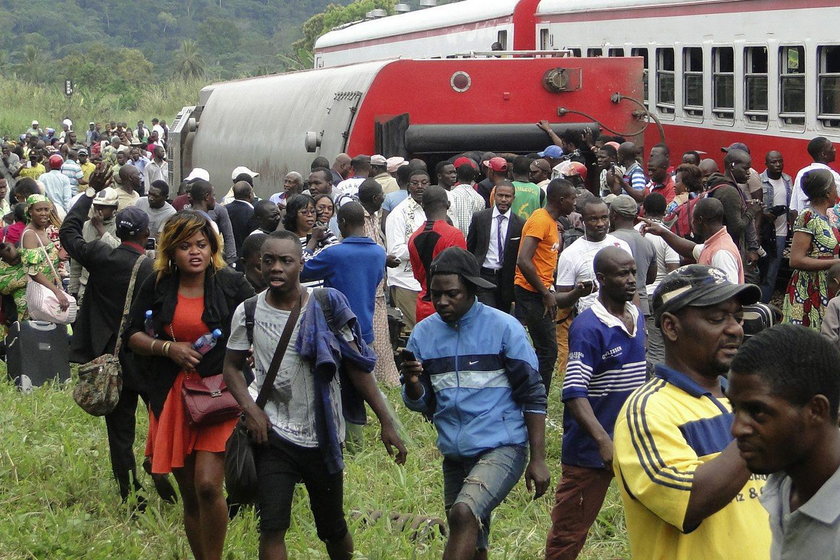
[192,294]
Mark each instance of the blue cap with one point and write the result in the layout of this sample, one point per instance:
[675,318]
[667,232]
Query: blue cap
[552,152]
[148,313]
[217,333]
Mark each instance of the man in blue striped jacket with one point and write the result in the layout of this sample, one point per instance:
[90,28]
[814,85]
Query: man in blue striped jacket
[474,369]
[606,363]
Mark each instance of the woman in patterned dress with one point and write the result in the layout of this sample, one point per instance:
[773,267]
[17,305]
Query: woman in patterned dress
[39,252]
[815,248]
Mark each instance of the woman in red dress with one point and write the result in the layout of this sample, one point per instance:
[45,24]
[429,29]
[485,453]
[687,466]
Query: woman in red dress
[192,294]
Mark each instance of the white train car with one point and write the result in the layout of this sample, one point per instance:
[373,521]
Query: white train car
[471,25]
[763,72]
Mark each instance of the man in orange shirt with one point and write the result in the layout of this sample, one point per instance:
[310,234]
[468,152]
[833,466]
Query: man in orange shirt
[534,282]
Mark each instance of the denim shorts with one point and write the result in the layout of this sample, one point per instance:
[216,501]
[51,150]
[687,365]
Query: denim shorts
[483,482]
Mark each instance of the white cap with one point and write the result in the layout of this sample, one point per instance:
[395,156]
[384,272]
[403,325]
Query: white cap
[107,197]
[378,160]
[395,163]
[240,170]
[34,123]
[197,173]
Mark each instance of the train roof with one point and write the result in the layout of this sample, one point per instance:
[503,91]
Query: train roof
[551,7]
[457,13]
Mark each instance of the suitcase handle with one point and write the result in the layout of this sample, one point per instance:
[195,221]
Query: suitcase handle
[42,325]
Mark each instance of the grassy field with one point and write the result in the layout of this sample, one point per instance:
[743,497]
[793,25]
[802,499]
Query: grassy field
[58,499]
[23,102]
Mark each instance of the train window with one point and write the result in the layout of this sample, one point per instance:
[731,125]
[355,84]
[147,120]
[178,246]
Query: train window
[594,52]
[501,37]
[665,80]
[693,81]
[644,54]
[723,82]
[575,52]
[829,85]
[755,82]
[616,52]
[792,84]
[545,39]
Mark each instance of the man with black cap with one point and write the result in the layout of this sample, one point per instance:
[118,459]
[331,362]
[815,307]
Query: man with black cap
[473,368]
[687,493]
[96,329]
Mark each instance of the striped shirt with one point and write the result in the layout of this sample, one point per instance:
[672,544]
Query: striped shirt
[606,364]
[667,429]
[72,171]
[635,177]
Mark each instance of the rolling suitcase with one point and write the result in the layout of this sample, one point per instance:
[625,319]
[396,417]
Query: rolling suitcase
[37,352]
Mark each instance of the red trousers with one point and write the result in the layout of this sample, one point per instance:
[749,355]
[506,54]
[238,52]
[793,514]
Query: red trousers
[577,501]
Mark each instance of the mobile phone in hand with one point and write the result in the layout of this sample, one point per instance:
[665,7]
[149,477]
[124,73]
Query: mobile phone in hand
[407,356]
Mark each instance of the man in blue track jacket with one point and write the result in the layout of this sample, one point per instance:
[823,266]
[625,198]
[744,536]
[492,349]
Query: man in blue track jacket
[476,372]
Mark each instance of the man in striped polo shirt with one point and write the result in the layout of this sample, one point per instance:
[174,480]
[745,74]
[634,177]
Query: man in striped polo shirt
[687,493]
[606,363]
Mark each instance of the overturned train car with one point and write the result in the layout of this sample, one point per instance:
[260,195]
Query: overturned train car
[431,109]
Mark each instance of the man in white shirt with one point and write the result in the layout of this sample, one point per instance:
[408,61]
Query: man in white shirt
[822,151]
[157,169]
[404,220]
[57,186]
[464,201]
[348,189]
[776,188]
[575,282]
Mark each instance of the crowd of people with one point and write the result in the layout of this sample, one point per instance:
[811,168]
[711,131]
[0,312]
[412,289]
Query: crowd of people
[622,278]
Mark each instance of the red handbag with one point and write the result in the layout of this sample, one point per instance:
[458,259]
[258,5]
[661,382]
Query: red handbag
[208,400]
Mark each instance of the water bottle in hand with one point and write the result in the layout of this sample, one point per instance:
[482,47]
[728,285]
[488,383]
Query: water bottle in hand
[148,325]
[206,342]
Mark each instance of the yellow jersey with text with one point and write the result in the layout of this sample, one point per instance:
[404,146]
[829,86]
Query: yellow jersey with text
[665,431]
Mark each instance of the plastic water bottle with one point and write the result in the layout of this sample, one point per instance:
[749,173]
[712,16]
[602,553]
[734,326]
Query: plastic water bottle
[149,326]
[206,342]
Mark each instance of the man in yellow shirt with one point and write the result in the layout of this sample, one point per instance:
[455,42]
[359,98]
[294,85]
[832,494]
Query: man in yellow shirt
[87,166]
[687,493]
[35,168]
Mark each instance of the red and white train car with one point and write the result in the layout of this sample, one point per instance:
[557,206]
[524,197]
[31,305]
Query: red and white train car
[764,72]
[428,108]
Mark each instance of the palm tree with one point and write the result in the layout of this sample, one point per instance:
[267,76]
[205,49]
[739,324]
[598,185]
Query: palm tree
[188,61]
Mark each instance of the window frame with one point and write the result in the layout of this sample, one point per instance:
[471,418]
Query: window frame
[756,115]
[692,110]
[720,111]
[791,118]
[828,120]
[596,52]
[665,107]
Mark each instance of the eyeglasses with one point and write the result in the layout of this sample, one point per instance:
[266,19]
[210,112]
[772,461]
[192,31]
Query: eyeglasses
[306,211]
[419,183]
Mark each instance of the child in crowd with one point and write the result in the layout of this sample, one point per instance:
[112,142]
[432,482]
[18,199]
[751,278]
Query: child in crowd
[831,320]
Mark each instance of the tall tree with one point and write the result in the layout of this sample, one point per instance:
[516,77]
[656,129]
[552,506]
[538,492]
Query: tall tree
[188,61]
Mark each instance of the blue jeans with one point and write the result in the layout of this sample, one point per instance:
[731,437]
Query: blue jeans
[773,265]
[482,482]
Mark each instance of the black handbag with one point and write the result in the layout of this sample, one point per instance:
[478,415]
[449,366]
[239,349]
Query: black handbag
[240,467]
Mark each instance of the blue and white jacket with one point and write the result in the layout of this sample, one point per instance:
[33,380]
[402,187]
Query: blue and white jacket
[479,378]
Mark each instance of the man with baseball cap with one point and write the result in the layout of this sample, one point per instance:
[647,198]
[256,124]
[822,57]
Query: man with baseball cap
[497,386]
[379,170]
[687,493]
[96,329]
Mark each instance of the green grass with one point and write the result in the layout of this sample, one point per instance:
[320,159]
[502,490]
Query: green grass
[46,103]
[58,499]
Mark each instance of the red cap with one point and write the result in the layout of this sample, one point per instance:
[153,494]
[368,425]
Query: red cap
[56,161]
[498,164]
[464,161]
